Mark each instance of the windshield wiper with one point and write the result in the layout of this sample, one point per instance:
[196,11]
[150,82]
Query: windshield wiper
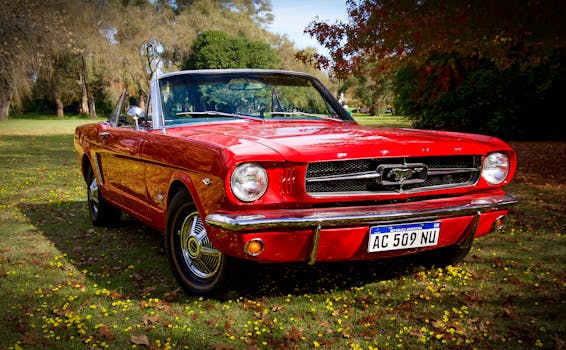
[321,116]
[223,114]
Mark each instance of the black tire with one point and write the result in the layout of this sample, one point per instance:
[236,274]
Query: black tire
[101,213]
[197,265]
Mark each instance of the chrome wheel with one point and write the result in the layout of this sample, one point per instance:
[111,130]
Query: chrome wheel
[101,213]
[199,267]
[93,197]
[200,256]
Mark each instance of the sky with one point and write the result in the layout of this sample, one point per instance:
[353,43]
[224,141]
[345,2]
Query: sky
[291,17]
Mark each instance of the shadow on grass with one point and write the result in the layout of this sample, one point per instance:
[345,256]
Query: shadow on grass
[321,278]
[131,259]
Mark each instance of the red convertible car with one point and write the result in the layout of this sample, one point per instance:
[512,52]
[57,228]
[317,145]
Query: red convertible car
[266,165]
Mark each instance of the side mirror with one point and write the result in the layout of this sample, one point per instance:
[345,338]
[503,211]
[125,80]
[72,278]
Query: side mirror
[135,113]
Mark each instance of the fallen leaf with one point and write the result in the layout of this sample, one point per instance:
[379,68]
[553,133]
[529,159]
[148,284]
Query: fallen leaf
[295,334]
[211,322]
[277,308]
[147,320]
[21,327]
[140,340]
[105,332]
[173,295]
[228,324]
[31,339]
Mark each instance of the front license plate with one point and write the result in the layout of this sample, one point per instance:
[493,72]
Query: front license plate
[406,236]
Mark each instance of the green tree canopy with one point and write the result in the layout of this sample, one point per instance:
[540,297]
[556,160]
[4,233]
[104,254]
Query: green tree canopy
[449,91]
[216,50]
[75,54]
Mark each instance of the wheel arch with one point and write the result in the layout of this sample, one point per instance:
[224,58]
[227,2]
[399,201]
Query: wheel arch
[176,186]
[182,181]
[86,165]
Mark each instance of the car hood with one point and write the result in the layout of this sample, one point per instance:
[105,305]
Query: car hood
[332,141]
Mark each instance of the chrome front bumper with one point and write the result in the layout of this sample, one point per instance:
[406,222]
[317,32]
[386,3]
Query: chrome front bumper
[361,215]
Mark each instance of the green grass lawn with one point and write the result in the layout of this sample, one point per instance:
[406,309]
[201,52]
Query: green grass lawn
[65,284]
[382,120]
[41,125]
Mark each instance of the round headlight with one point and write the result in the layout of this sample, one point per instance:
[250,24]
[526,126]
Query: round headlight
[248,182]
[495,168]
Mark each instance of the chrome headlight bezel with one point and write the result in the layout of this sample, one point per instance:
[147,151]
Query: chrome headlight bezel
[495,168]
[249,182]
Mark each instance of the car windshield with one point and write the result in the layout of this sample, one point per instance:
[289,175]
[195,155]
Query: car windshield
[188,98]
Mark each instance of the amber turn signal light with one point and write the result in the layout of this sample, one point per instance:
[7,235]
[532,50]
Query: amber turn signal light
[498,223]
[254,247]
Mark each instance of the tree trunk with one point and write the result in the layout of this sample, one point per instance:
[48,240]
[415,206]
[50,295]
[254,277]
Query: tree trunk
[84,97]
[373,109]
[4,107]
[6,94]
[91,106]
[58,101]
[90,97]
[141,101]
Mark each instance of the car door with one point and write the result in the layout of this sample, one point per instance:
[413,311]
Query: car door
[123,169]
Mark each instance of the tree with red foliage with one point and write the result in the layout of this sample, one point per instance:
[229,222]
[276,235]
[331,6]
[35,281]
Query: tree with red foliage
[479,66]
[382,33]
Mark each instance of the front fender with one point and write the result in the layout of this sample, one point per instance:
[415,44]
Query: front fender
[207,193]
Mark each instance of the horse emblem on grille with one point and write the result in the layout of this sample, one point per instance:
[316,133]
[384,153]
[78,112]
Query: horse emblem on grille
[399,174]
[403,174]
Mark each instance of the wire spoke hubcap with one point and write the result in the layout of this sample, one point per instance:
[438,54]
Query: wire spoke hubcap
[199,255]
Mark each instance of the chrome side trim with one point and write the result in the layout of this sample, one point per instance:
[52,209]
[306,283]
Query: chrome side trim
[361,215]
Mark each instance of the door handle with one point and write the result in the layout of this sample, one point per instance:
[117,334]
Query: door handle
[104,134]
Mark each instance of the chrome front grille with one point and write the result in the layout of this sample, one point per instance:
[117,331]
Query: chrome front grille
[391,175]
